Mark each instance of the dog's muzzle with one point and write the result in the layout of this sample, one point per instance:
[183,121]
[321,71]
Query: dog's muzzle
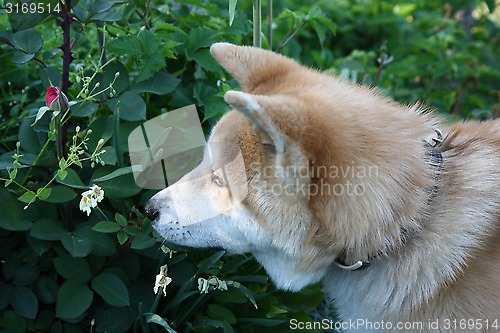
[152,210]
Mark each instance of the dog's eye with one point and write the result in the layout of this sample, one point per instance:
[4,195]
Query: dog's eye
[217,180]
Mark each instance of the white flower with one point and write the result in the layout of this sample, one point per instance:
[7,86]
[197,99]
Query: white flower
[203,286]
[85,205]
[222,285]
[162,280]
[97,193]
[90,199]
[213,283]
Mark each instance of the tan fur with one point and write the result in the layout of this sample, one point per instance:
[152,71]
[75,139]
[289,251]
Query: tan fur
[430,230]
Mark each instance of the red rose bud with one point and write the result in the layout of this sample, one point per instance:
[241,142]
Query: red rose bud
[55,99]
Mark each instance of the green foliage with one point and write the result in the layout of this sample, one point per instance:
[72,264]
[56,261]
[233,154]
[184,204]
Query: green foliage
[66,271]
[441,53]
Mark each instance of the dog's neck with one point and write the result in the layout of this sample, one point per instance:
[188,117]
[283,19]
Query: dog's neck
[435,161]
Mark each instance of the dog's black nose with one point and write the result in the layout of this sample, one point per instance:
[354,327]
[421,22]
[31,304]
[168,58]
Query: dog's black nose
[151,212]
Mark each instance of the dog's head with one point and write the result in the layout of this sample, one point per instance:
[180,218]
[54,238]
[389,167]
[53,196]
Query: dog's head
[279,174]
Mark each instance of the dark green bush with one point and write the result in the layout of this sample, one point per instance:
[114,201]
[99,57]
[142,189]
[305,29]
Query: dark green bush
[126,62]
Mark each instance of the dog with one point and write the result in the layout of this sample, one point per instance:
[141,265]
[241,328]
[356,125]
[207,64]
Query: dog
[323,180]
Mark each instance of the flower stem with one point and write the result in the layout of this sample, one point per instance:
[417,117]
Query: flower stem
[102,213]
[25,179]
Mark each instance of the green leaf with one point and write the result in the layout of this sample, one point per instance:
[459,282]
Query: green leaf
[205,60]
[101,128]
[29,40]
[72,180]
[120,187]
[221,313]
[150,63]
[73,299]
[117,138]
[39,246]
[327,23]
[28,197]
[62,163]
[46,289]
[44,321]
[121,83]
[106,227]
[40,113]
[86,109]
[20,58]
[155,319]
[60,194]
[114,174]
[28,137]
[76,245]
[122,237]
[142,241]
[112,319]
[200,38]
[210,323]
[161,83]
[232,295]
[107,16]
[132,230]
[43,193]
[5,295]
[72,268]
[152,59]
[47,229]
[227,328]
[13,323]
[102,244]
[130,105]
[127,45]
[207,263]
[61,174]
[245,292]
[6,38]
[232,10]
[15,224]
[146,47]
[121,220]
[111,289]
[26,275]
[24,302]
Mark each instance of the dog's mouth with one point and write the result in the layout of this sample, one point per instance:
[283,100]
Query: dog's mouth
[167,246]
[152,213]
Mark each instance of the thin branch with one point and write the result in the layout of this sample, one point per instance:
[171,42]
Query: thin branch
[381,63]
[257,23]
[289,37]
[100,38]
[144,18]
[270,23]
[65,209]
[458,101]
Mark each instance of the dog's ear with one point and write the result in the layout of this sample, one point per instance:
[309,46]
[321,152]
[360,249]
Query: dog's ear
[275,116]
[252,66]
